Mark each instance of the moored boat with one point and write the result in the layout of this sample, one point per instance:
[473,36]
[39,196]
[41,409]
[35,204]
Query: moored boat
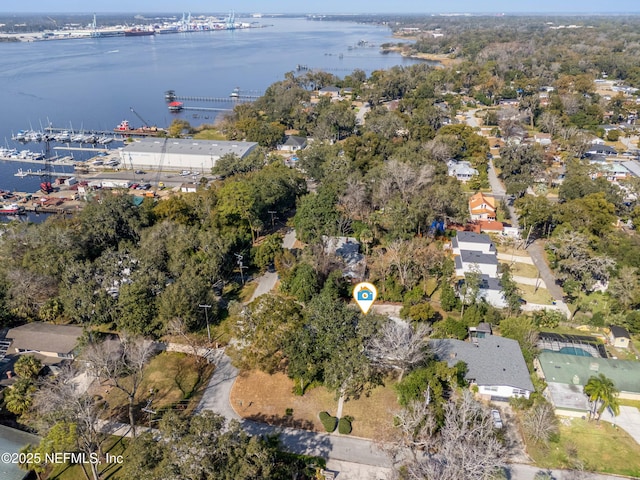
[11,209]
[175,106]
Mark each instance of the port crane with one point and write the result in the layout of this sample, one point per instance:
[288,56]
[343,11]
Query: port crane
[144,122]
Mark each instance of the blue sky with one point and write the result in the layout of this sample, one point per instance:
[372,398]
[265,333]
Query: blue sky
[324,6]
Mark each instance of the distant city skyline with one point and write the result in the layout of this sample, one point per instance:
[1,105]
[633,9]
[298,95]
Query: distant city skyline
[327,6]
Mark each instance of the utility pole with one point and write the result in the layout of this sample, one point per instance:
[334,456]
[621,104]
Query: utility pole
[240,266]
[206,316]
[272,213]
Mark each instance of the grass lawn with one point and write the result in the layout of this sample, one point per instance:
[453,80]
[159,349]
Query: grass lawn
[176,378]
[266,398]
[114,446]
[540,296]
[600,447]
[522,269]
[209,134]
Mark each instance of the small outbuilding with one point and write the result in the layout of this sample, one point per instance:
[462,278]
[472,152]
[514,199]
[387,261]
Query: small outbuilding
[189,188]
[619,337]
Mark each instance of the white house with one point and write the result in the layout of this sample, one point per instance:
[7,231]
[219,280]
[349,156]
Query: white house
[495,364]
[476,242]
[463,171]
[491,292]
[469,261]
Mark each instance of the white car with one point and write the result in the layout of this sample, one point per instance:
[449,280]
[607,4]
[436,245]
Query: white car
[185,173]
[497,421]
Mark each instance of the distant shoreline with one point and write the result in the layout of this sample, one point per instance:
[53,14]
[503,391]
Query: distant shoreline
[442,59]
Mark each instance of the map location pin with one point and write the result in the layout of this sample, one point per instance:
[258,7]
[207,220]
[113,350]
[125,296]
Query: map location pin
[365,294]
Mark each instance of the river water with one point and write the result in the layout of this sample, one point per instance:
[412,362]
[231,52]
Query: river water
[92,83]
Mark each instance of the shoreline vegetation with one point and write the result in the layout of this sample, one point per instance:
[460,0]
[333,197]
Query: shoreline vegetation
[443,60]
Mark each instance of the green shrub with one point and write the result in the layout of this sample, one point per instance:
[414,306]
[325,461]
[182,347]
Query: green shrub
[330,423]
[344,426]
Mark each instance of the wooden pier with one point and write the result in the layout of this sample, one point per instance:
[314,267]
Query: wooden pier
[235,97]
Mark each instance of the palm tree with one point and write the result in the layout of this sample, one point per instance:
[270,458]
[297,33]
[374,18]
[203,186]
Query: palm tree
[601,390]
[19,396]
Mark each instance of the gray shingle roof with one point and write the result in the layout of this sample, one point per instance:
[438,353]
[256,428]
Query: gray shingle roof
[471,237]
[619,332]
[469,256]
[493,361]
[293,141]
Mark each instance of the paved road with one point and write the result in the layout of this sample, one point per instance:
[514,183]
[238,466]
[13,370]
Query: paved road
[538,255]
[496,185]
[266,282]
[289,239]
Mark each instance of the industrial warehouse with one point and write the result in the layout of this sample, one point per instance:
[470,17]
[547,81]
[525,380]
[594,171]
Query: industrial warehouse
[180,154]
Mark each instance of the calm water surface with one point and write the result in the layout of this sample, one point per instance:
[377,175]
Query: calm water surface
[92,83]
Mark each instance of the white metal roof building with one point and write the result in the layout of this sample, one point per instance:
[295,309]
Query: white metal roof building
[180,153]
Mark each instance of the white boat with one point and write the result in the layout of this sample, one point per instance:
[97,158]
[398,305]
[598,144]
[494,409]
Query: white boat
[33,136]
[21,136]
[104,140]
[64,136]
[21,173]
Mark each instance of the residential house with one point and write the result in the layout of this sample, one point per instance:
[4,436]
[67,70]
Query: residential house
[613,172]
[469,261]
[475,252]
[463,171]
[495,364]
[566,375]
[599,149]
[189,188]
[510,102]
[293,143]
[330,91]
[490,226]
[542,138]
[49,342]
[472,241]
[348,250]
[491,291]
[482,207]
[619,337]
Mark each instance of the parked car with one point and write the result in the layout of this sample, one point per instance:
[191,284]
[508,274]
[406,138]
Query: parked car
[497,420]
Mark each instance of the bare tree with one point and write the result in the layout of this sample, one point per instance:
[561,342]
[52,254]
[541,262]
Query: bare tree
[468,447]
[398,346]
[417,426]
[60,401]
[121,363]
[540,422]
